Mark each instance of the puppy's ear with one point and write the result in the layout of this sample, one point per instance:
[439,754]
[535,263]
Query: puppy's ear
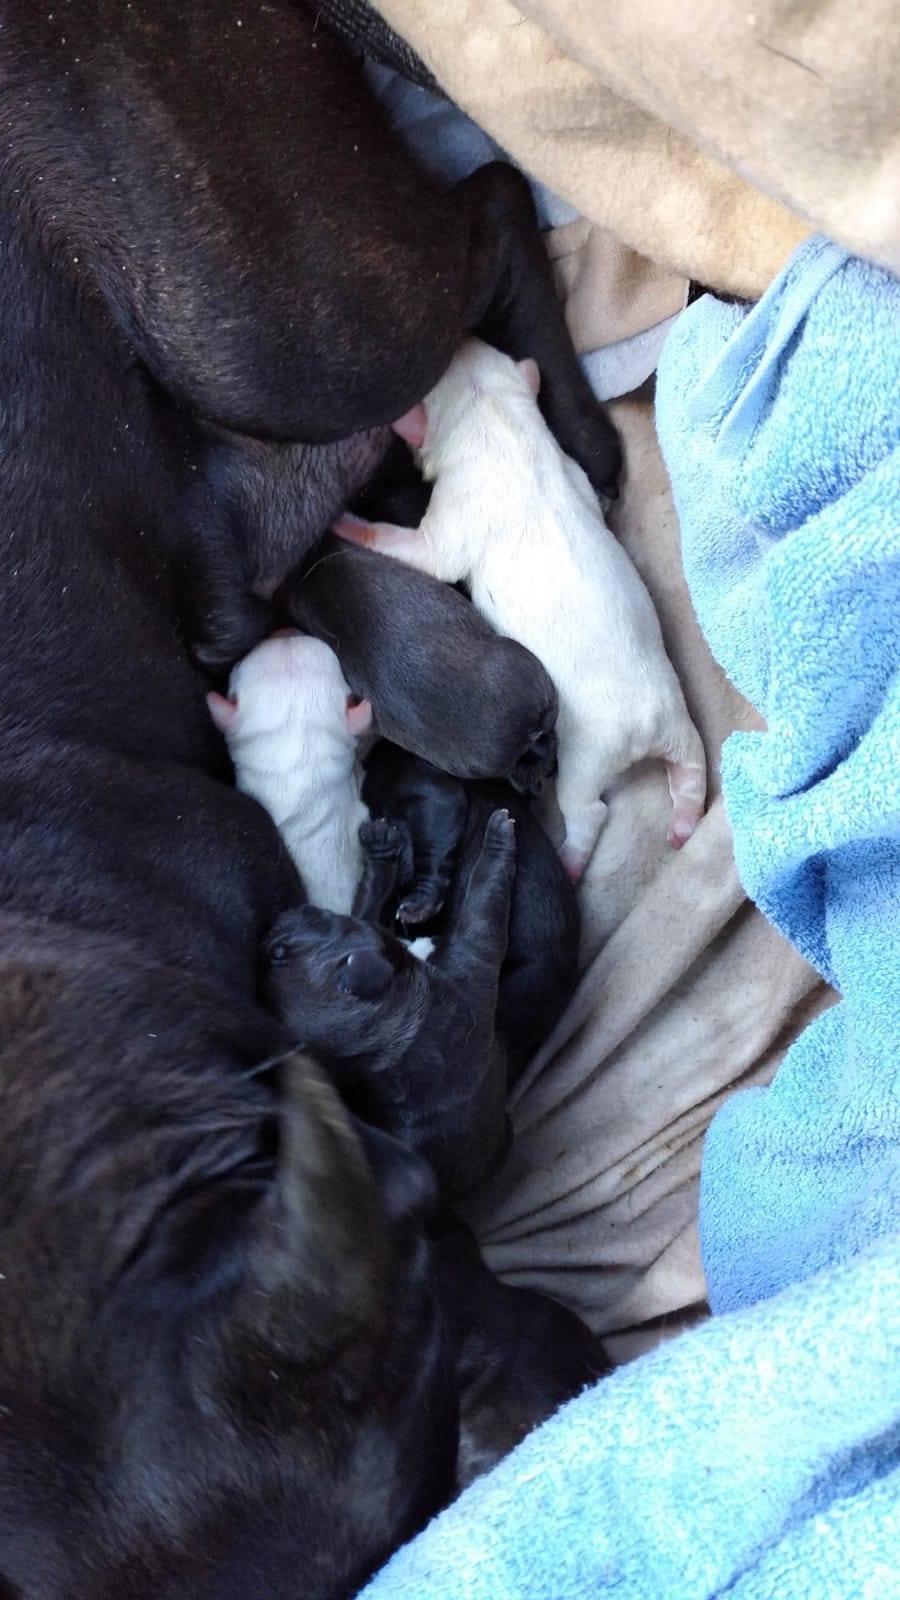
[315,1249]
[359,717]
[531,372]
[412,426]
[407,1187]
[365,974]
[223,710]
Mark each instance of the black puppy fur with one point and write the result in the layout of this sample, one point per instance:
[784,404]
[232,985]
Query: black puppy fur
[409,1043]
[445,822]
[219,1364]
[519,1355]
[440,681]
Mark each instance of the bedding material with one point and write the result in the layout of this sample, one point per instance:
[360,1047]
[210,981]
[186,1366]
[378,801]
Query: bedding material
[757,1455]
[711,138]
[781,428]
[687,990]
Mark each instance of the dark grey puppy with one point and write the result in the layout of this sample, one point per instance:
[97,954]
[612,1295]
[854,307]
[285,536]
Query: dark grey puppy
[445,821]
[409,1043]
[440,681]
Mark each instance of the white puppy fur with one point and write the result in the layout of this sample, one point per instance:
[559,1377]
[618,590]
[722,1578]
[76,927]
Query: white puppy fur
[517,520]
[291,724]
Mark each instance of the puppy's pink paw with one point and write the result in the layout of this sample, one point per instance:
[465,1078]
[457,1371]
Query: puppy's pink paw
[681,827]
[354,530]
[687,786]
[574,862]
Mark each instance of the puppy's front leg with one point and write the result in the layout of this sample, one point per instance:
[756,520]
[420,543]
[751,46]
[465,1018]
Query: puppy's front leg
[471,955]
[387,857]
[420,548]
[476,945]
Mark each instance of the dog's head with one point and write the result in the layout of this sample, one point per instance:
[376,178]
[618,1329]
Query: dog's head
[343,987]
[221,1373]
[288,692]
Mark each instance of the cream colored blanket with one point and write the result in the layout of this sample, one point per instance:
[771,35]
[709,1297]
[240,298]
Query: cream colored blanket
[709,137]
[688,994]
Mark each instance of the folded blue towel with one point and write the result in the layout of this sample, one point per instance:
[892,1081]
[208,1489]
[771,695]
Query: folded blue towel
[781,430]
[758,1456]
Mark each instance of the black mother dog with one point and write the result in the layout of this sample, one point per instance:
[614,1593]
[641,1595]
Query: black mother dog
[219,1364]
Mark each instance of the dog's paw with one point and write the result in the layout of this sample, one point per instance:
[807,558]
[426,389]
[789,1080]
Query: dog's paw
[422,905]
[500,833]
[535,764]
[594,443]
[382,838]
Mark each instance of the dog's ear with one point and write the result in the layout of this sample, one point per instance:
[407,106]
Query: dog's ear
[224,711]
[365,974]
[359,717]
[316,1252]
[531,372]
[407,1187]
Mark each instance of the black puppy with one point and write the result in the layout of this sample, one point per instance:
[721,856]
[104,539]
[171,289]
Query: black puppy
[445,822]
[410,1043]
[440,681]
[519,1355]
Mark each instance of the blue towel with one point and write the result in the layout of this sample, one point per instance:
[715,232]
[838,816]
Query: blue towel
[781,430]
[759,1456]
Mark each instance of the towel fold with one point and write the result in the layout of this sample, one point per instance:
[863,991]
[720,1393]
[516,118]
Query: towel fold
[758,1456]
[781,430]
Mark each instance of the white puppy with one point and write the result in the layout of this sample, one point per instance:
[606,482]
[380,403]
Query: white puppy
[292,724]
[518,521]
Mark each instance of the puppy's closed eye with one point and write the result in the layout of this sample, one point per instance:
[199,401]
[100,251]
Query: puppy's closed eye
[278,953]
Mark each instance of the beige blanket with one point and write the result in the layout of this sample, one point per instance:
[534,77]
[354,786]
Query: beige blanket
[709,137]
[688,995]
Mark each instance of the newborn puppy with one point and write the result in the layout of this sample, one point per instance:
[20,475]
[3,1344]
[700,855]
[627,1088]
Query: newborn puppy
[445,821]
[518,521]
[440,681]
[518,1355]
[291,725]
[409,1043]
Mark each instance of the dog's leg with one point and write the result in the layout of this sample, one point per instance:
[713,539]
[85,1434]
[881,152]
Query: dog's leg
[585,770]
[471,955]
[434,861]
[387,851]
[420,548]
[521,314]
[476,945]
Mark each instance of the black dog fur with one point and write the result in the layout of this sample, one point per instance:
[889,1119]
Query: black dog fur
[519,1355]
[409,1043]
[445,820]
[218,1355]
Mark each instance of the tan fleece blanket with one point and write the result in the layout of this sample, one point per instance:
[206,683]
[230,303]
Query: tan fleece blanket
[710,137]
[688,994]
